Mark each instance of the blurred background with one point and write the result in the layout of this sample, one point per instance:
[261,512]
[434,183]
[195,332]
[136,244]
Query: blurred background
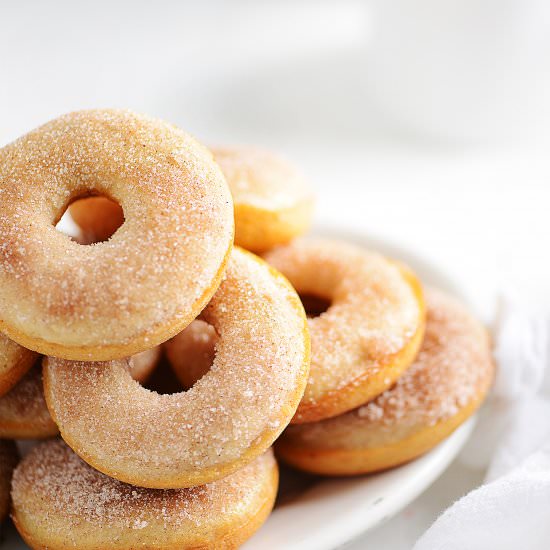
[426,122]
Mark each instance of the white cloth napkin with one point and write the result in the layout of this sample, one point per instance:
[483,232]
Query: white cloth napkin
[512,509]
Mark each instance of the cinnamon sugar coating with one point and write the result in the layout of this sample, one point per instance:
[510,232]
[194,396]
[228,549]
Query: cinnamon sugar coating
[125,295]
[23,410]
[15,361]
[231,415]
[60,502]
[371,331]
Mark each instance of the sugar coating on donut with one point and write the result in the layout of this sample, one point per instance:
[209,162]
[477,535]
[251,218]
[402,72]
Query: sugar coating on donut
[374,312]
[55,491]
[453,369]
[23,410]
[15,360]
[157,268]
[262,179]
[247,397]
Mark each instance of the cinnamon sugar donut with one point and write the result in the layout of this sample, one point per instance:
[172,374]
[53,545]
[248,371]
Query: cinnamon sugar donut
[151,278]
[60,502]
[192,351]
[273,203]
[445,385]
[8,460]
[230,416]
[371,331]
[15,361]
[23,410]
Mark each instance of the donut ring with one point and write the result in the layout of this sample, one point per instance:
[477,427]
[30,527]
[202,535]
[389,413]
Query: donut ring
[369,334]
[60,502]
[230,416]
[15,361]
[273,203]
[445,385]
[23,410]
[8,461]
[153,276]
[191,352]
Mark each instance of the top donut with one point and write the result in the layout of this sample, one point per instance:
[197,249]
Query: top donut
[152,277]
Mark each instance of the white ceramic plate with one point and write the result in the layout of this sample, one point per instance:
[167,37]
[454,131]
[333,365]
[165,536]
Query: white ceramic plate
[327,514]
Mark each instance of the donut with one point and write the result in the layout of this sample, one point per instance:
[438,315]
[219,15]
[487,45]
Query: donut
[15,361]
[192,351]
[151,278]
[97,217]
[8,461]
[60,502]
[23,410]
[273,202]
[445,385]
[372,327]
[230,416]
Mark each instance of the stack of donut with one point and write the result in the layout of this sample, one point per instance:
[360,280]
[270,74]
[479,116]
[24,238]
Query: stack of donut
[333,355]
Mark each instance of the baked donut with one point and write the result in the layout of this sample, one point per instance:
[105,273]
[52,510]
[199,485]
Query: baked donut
[8,460]
[60,502]
[273,202]
[192,351]
[445,385]
[151,278]
[23,410]
[371,331]
[230,416]
[15,361]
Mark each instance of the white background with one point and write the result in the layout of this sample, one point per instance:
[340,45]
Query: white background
[425,122]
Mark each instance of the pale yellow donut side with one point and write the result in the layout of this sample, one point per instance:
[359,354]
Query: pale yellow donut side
[273,202]
[217,516]
[146,283]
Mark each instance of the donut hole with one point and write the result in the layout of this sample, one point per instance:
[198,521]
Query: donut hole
[191,353]
[163,380]
[314,305]
[90,220]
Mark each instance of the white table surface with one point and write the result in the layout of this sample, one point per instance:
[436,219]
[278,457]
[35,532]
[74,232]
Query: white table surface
[481,213]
